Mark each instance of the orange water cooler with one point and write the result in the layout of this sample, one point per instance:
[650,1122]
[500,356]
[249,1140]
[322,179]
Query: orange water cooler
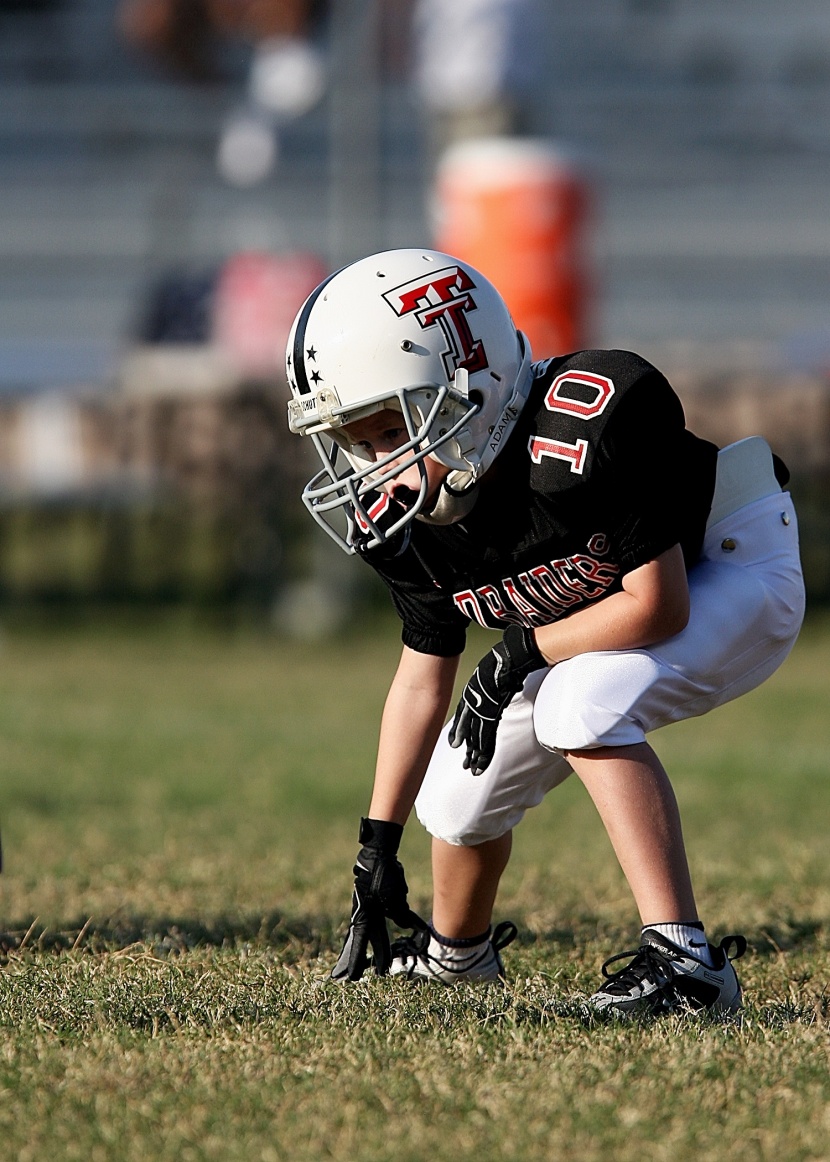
[520,212]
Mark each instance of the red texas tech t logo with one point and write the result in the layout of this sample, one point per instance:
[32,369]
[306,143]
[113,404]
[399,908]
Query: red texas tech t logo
[443,300]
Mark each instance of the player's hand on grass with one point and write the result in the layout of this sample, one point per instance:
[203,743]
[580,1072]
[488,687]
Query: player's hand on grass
[380,891]
[497,678]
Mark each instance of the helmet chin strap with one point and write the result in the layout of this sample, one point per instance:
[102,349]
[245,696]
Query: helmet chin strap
[456,498]
[459,491]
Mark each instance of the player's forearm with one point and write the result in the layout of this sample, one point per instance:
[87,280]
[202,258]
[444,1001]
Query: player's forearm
[615,623]
[653,605]
[416,708]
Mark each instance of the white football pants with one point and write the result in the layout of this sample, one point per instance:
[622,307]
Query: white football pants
[747,605]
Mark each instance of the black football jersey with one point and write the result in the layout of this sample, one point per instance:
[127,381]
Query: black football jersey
[598,476]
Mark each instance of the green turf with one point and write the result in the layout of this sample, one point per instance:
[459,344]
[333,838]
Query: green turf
[179,817]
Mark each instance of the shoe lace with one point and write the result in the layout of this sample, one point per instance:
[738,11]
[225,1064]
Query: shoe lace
[411,947]
[504,934]
[646,963]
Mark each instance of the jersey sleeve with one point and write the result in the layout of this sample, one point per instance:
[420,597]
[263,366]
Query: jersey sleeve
[658,477]
[432,623]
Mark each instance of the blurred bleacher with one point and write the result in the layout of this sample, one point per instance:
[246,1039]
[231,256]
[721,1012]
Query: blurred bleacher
[706,126]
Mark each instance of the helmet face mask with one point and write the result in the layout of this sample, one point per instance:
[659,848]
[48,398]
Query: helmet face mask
[392,332]
[355,488]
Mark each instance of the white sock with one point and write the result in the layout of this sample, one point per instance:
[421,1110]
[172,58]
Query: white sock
[457,952]
[690,937]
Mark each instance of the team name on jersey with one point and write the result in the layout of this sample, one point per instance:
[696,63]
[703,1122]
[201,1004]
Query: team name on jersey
[544,592]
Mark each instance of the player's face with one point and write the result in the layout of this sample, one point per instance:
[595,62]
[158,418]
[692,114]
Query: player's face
[380,434]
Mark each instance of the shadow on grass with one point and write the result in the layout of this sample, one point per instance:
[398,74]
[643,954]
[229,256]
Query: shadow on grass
[296,937]
[303,937]
[788,935]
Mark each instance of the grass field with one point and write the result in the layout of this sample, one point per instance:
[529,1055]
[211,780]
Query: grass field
[179,815]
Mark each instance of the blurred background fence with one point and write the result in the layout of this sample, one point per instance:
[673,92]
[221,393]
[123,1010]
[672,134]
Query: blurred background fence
[175,175]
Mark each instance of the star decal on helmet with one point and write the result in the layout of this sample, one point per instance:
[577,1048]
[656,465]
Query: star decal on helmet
[311,353]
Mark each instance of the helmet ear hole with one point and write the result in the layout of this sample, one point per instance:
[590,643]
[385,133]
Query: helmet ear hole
[476,397]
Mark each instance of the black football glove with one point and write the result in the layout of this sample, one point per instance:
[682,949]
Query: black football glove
[497,678]
[379,891]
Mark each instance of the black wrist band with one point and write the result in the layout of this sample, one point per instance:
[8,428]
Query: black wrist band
[520,643]
[380,834]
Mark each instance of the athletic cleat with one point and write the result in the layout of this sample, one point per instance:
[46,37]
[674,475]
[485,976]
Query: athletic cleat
[662,978]
[412,958]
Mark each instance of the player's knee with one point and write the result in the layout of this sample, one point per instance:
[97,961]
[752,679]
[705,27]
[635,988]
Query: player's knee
[591,701]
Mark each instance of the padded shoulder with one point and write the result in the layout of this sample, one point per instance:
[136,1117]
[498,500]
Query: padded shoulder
[573,400]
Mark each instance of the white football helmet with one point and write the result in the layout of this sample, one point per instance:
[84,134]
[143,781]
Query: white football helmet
[419,332]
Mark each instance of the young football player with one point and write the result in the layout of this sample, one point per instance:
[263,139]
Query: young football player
[636,576]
